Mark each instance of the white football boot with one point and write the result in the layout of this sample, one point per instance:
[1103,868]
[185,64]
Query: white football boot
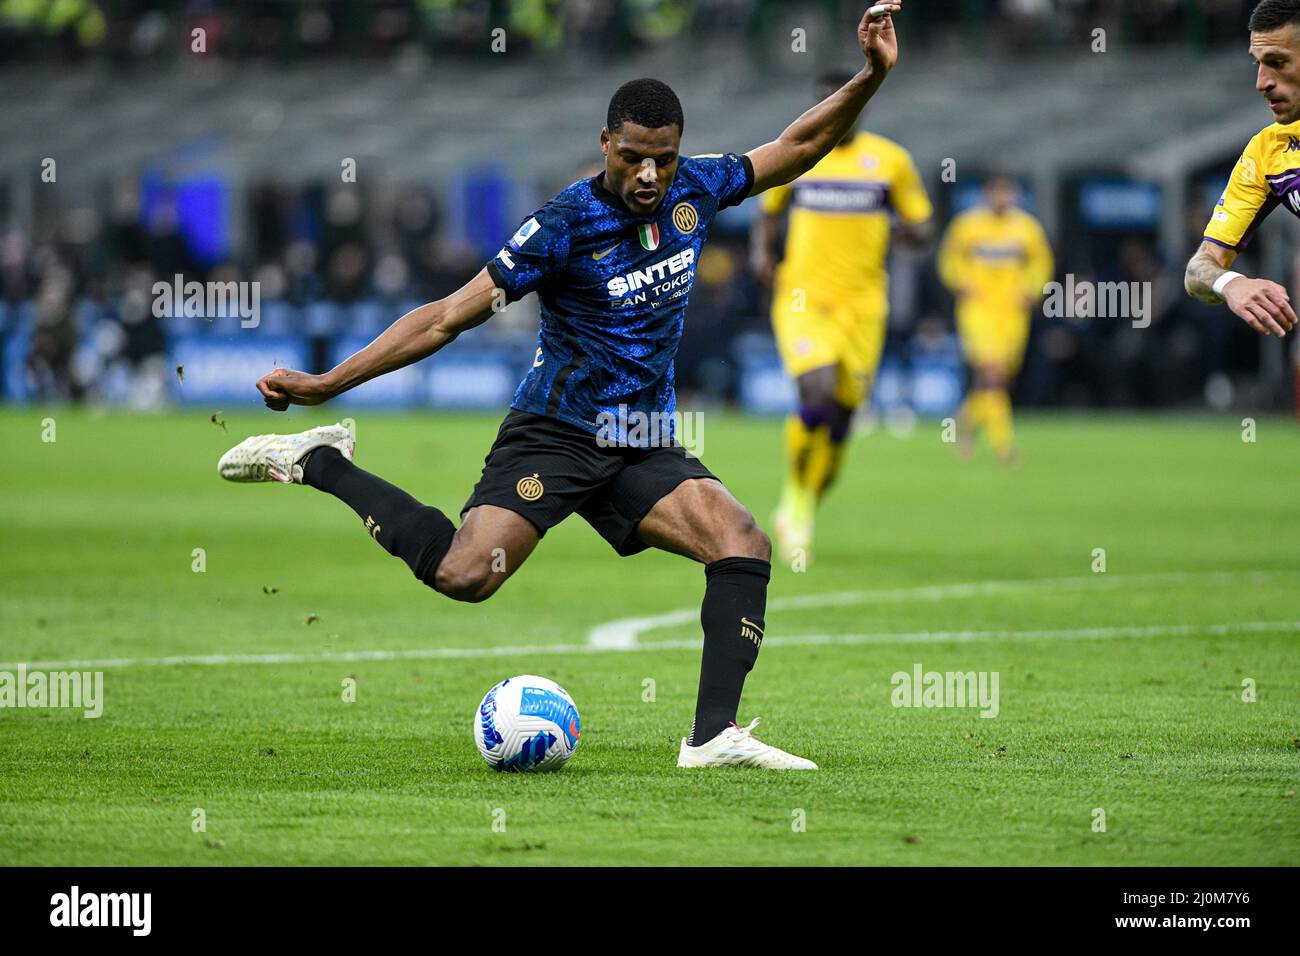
[277,457]
[738,747]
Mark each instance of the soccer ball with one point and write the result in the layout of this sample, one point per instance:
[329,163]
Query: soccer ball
[527,723]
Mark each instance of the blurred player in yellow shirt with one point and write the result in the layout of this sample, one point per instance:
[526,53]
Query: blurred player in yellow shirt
[830,299]
[995,259]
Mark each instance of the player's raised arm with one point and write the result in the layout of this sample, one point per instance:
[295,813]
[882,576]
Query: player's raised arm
[815,133]
[1265,306]
[414,336]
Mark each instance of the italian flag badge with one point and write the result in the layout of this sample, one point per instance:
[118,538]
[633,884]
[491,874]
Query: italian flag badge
[649,236]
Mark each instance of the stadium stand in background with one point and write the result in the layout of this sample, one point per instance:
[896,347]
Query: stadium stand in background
[225,166]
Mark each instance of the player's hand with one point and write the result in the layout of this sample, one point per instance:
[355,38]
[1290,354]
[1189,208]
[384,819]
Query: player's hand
[1265,306]
[876,36]
[764,269]
[283,387]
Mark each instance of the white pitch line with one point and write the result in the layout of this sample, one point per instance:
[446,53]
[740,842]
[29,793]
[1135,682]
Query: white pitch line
[1083,633]
[806,640]
[624,632]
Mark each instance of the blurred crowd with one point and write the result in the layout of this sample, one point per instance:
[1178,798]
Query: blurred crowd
[339,259]
[126,32]
[76,296]
[86,285]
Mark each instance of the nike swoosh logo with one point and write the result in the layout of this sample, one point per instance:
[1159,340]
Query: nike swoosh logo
[601,255]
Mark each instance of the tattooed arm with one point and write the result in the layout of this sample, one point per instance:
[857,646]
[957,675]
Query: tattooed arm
[1209,262]
[1265,306]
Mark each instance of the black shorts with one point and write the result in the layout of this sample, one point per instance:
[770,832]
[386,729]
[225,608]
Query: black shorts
[546,470]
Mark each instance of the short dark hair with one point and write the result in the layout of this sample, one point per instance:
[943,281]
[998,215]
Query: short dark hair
[646,102]
[1273,14]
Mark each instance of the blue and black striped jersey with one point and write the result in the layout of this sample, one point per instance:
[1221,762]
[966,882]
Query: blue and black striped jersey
[613,288]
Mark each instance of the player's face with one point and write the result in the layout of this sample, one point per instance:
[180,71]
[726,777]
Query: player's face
[640,164]
[1000,195]
[1277,53]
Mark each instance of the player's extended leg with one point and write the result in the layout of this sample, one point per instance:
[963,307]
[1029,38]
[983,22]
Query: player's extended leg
[489,547]
[466,565]
[701,519]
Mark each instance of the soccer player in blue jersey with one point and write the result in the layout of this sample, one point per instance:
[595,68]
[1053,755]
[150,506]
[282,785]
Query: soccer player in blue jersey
[612,259]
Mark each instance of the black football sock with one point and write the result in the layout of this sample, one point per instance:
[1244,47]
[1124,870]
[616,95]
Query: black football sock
[735,598]
[419,535]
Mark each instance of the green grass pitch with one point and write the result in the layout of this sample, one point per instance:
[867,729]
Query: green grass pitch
[1120,691]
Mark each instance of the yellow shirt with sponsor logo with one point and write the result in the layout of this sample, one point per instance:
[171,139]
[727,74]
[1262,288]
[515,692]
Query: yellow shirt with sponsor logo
[997,259]
[841,212]
[1266,176]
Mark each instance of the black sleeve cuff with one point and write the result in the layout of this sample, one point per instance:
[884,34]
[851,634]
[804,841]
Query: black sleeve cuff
[749,182]
[498,279]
